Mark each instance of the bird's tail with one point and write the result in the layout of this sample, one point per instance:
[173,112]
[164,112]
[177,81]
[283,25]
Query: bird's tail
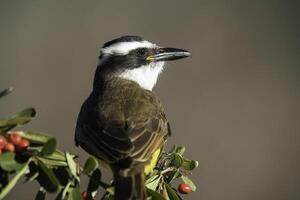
[130,183]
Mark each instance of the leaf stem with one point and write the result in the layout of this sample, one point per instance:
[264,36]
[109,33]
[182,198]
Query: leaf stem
[166,170]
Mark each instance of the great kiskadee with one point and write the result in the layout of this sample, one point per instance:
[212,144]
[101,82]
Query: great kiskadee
[122,122]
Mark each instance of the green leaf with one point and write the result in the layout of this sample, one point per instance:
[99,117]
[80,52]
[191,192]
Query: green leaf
[47,178]
[8,162]
[172,193]
[188,181]
[41,194]
[6,92]
[7,124]
[12,182]
[20,118]
[49,147]
[153,182]
[7,127]
[52,162]
[110,190]
[65,190]
[155,195]
[180,150]
[28,112]
[170,176]
[74,194]
[152,177]
[34,137]
[72,165]
[177,160]
[90,165]
[56,155]
[189,164]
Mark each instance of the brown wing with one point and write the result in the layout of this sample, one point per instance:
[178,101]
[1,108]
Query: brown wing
[129,122]
[146,121]
[146,138]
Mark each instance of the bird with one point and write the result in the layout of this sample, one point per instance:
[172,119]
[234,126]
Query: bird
[122,122]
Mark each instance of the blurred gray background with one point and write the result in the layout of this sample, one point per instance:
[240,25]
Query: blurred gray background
[235,104]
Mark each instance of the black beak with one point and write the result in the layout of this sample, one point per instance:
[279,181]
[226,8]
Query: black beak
[167,54]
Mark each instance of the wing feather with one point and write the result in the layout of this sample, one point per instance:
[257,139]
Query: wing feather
[128,122]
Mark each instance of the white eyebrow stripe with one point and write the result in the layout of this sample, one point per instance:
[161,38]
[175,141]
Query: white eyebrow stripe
[125,47]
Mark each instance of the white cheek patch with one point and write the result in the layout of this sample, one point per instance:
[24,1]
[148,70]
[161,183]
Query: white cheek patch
[125,47]
[146,76]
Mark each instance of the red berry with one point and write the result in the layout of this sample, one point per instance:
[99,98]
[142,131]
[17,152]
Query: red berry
[23,144]
[184,188]
[2,142]
[9,147]
[14,138]
[84,195]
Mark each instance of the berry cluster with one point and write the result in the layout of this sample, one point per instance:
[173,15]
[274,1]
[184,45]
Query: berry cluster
[13,143]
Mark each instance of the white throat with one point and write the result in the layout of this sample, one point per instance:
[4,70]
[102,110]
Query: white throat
[146,76]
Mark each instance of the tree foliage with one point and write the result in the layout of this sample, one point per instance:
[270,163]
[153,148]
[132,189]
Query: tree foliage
[58,172]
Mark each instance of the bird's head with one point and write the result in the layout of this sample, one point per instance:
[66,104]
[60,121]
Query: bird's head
[136,59]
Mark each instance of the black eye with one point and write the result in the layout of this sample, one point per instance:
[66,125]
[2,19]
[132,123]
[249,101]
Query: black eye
[141,52]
